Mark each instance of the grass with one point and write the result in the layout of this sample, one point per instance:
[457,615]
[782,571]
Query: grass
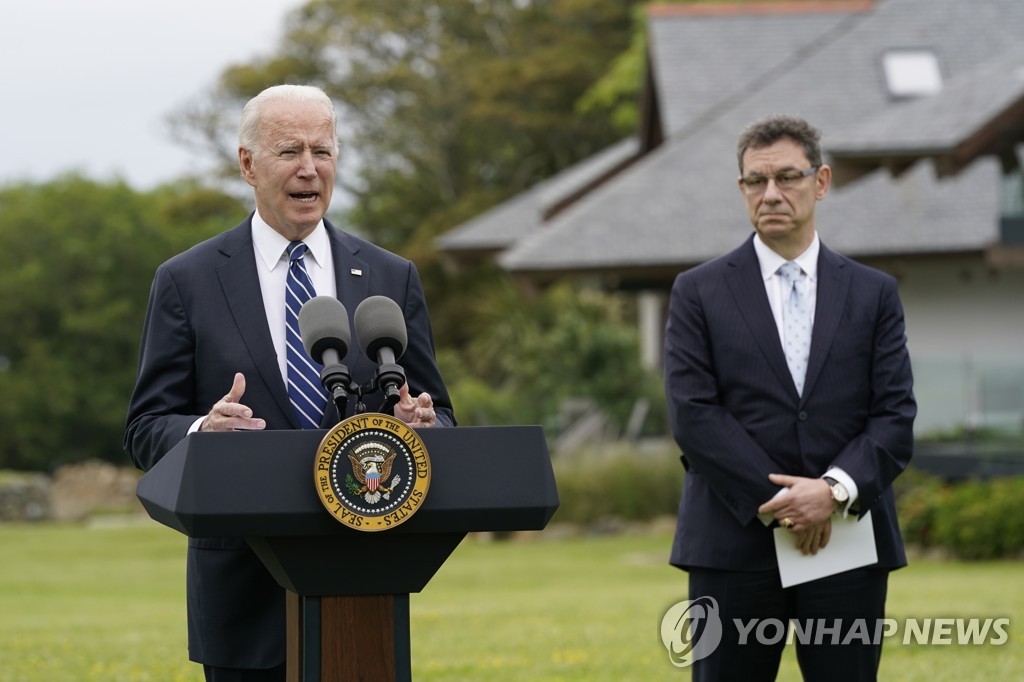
[81,603]
[106,603]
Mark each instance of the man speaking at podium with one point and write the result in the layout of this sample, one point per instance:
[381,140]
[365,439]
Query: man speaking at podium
[220,352]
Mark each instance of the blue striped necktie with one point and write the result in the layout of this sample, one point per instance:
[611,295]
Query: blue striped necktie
[304,389]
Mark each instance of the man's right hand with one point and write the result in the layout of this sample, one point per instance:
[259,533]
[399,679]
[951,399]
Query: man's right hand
[228,414]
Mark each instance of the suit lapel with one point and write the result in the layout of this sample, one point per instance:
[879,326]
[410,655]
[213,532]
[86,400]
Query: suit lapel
[351,273]
[352,279]
[748,291]
[241,285]
[833,286]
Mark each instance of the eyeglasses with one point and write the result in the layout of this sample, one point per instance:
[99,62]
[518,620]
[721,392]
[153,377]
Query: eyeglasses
[787,179]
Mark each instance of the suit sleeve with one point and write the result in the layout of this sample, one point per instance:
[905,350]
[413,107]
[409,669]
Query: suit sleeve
[714,444]
[161,407]
[883,449]
[419,360]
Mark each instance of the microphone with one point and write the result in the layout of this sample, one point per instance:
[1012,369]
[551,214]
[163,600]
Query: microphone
[380,326]
[325,332]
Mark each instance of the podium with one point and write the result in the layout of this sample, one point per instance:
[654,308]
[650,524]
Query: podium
[341,623]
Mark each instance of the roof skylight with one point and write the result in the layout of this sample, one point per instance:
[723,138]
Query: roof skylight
[912,73]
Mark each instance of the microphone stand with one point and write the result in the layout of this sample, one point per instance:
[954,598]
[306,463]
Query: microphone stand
[338,382]
[390,378]
[336,378]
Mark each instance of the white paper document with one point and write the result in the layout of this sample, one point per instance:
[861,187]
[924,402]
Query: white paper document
[851,545]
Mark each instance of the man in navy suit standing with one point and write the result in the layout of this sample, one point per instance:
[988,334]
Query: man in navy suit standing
[214,354]
[790,395]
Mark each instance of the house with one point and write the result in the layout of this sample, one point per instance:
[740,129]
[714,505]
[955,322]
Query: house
[921,105]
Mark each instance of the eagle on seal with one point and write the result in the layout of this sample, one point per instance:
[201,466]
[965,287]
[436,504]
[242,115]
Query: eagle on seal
[372,471]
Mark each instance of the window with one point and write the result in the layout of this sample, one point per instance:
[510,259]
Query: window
[912,73]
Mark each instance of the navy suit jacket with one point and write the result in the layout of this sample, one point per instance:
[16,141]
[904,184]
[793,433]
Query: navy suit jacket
[737,417]
[205,322]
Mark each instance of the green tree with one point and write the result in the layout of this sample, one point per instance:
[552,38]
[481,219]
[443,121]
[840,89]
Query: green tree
[447,106]
[619,89]
[523,357]
[75,271]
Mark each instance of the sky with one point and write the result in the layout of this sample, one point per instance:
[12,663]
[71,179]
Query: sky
[87,84]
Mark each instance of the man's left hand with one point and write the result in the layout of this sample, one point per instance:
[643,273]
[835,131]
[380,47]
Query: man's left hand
[811,540]
[417,412]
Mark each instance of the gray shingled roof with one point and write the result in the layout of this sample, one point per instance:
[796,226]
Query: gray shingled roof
[679,205]
[705,64]
[975,111]
[511,220]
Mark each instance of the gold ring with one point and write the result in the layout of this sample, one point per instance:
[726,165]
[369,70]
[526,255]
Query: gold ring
[787,522]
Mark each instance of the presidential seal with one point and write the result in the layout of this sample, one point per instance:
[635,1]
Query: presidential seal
[372,472]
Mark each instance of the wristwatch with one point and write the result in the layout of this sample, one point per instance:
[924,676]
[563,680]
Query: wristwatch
[839,493]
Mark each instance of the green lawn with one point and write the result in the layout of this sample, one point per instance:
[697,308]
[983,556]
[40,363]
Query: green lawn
[107,604]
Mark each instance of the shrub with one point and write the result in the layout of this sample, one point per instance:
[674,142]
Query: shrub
[983,520]
[973,519]
[918,498]
[624,482]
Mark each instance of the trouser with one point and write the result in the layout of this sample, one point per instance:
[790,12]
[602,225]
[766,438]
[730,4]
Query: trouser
[835,621]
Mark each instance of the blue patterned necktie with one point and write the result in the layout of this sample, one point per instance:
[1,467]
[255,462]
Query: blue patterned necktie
[796,323]
[304,389]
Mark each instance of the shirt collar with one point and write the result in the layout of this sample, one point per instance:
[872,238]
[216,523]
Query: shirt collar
[770,261]
[272,247]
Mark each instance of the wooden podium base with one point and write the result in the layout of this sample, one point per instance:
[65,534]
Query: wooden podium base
[344,639]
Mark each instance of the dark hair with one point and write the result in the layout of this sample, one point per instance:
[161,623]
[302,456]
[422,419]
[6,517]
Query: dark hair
[767,131]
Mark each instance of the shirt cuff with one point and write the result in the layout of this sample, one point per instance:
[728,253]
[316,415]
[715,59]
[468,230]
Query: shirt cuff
[851,487]
[199,422]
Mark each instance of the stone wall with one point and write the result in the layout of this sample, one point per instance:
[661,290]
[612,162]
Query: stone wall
[25,497]
[73,493]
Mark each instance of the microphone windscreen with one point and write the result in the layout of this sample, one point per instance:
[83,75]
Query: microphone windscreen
[380,324]
[323,324]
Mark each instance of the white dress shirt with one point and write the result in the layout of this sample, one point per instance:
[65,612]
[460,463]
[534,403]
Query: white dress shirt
[776,287]
[271,249]
[775,284]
